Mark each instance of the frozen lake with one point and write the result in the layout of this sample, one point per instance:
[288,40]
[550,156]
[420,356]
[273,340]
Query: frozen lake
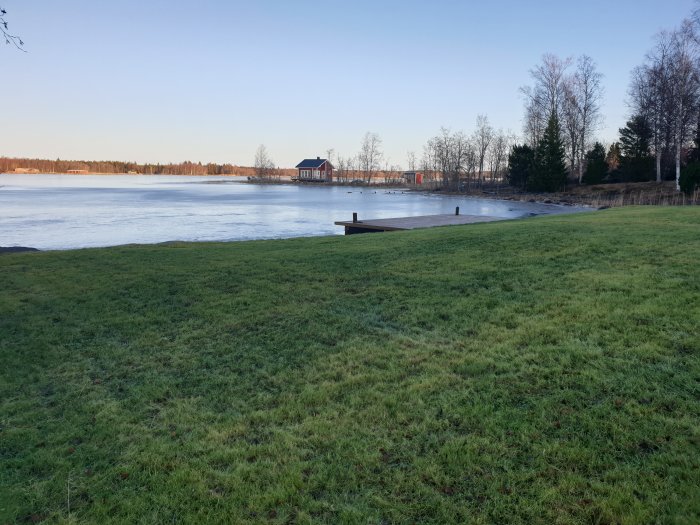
[75,211]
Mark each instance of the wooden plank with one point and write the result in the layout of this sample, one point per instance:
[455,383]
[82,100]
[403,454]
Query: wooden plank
[412,223]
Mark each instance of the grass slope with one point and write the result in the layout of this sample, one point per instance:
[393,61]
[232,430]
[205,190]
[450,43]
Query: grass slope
[541,371]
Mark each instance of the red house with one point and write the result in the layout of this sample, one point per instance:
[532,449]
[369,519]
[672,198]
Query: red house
[314,170]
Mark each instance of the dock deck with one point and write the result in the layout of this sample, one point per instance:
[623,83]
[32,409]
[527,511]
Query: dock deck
[411,223]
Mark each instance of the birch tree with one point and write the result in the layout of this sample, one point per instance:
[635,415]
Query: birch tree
[571,122]
[448,151]
[440,148]
[650,96]
[341,168]
[411,161]
[544,98]
[685,90]
[263,164]
[589,94]
[573,98]
[483,135]
[428,162]
[370,157]
[498,155]
[451,155]
[666,92]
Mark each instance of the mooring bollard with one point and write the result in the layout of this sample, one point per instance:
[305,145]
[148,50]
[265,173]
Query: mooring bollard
[457,210]
[354,216]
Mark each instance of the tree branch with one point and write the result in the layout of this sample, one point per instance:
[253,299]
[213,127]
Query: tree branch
[10,38]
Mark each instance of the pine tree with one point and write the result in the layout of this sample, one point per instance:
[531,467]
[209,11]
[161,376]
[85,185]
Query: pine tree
[635,137]
[636,164]
[613,157]
[549,173]
[596,167]
[520,164]
[690,175]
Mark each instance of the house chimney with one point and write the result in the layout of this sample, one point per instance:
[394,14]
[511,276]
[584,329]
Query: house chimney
[318,158]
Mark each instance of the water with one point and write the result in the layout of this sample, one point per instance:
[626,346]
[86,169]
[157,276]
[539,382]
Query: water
[75,211]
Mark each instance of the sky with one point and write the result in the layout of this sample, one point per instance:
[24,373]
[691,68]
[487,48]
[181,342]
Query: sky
[169,81]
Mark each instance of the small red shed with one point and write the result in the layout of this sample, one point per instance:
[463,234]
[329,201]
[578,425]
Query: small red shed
[315,170]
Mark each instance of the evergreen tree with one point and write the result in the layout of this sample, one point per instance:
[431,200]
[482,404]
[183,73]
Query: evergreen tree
[596,166]
[520,164]
[635,138]
[636,163]
[690,174]
[613,157]
[690,178]
[549,173]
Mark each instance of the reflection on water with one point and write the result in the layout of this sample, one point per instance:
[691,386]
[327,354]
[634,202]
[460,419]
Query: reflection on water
[64,211]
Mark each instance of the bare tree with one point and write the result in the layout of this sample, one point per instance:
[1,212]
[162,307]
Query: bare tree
[341,169]
[451,155]
[650,96]
[685,89]
[470,163]
[9,38]
[498,154]
[588,87]
[534,121]
[264,164]
[428,163]
[391,173]
[411,161]
[345,168]
[440,148]
[352,167]
[575,99]
[666,92]
[571,122]
[483,135]
[545,97]
[370,157]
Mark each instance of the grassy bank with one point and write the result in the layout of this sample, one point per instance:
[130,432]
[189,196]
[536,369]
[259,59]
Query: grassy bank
[602,195]
[627,194]
[539,371]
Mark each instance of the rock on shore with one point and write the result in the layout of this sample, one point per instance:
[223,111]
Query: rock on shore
[16,249]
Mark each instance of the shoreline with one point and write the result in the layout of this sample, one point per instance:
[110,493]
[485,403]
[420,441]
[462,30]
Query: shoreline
[585,198]
[599,196]
[125,174]
[175,242]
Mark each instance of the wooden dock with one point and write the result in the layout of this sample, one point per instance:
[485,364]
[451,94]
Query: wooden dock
[411,223]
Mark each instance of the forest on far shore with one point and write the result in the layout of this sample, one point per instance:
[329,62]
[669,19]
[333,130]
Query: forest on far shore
[8,165]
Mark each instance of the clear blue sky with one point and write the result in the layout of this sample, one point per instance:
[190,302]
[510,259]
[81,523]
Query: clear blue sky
[160,81]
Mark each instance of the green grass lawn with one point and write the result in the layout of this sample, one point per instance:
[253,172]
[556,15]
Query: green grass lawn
[538,371]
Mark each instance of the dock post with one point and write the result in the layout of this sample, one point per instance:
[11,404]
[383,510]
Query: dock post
[354,216]
[457,210]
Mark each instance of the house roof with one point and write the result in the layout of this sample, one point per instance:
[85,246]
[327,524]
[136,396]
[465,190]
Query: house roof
[311,163]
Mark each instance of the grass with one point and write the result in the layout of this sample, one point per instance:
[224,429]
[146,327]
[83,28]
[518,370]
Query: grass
[539,371]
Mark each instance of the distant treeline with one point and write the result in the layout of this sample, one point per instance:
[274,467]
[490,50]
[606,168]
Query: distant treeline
[182,168]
